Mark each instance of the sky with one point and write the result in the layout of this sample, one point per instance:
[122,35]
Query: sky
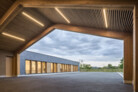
[95,50]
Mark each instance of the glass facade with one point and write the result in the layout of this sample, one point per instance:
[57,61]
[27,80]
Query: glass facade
[75,68]
[27,66]
[55,67]
[43,67]
[60,67]
[33,67]
[39,67]
[52,67]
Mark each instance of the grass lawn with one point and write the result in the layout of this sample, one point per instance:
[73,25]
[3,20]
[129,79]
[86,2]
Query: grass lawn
[101,70]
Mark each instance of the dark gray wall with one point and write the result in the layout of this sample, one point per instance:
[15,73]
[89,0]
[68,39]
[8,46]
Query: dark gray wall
[27,55]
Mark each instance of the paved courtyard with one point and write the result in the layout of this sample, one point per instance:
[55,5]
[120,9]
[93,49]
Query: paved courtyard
[66,82]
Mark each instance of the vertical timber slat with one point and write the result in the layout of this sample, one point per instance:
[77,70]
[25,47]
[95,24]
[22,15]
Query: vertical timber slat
[16,65]
[135,48]
[128,59]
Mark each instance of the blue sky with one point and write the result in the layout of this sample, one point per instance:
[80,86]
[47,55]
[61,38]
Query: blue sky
[94,50]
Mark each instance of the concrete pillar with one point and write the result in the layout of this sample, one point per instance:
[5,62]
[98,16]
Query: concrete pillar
[58,67]
[48,67]
[135,49]
[128,59]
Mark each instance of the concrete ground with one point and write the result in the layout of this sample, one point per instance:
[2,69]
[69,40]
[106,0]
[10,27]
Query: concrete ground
[66,82]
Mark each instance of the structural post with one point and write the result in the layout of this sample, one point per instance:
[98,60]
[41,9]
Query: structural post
[128,59]
[16,65]
[135,49]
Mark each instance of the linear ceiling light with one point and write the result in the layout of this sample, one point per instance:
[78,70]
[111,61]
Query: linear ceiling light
[6,34]
[62,15]
[105,18]
[33,19]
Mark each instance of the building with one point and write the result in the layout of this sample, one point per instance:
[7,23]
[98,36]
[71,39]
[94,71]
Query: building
[36,63]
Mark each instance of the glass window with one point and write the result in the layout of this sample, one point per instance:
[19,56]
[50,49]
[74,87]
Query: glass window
[52,68]
[38,67]
[70,68]
[55,67]
[43,67]
[33,66]
[73,68]
[27,67]
[60,67]
[65,68]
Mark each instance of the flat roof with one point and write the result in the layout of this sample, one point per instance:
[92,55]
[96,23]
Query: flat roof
[28,55]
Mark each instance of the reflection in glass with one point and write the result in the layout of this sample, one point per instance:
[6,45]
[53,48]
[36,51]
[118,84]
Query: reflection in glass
[33,67]
[38,67]
[52,68]
[55,67]
[27,66]
[43,67]
[60,67]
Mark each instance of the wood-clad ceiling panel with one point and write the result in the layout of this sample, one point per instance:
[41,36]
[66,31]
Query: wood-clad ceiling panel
[121,20]
[5,5]
[85,17]
[52,14]
[117,19]
[9,44]
[23,27]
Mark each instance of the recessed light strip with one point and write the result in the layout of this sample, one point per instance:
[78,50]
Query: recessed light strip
[33,19]
[62,15]
[16,37]
[105,18]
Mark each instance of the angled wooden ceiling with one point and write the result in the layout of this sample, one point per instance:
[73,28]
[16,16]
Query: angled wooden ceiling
[119,19]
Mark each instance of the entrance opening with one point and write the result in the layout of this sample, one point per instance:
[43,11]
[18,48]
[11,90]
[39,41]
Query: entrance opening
[93,53]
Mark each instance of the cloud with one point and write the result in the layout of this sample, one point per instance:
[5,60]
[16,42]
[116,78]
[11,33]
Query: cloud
[76,46]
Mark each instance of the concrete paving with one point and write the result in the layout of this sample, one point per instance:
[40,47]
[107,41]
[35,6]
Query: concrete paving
[68,82]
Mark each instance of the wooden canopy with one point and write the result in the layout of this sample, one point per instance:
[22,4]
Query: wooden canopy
[119,19]
[33,19]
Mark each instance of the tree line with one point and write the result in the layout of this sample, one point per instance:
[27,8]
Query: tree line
[109,66]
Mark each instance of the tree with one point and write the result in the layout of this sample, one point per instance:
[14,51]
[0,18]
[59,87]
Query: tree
[85,66]
[110,66]
[121,63]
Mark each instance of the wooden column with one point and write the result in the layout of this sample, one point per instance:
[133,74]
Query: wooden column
[16,65]
[128,59]
[135,49]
